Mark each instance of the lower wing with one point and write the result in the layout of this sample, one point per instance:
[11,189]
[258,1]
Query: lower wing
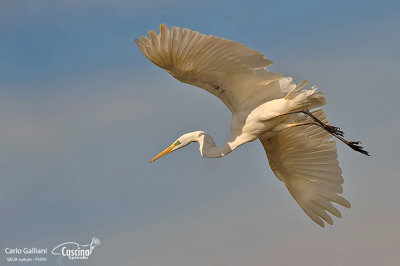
[305,159]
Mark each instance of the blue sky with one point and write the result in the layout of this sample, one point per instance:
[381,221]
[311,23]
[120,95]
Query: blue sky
[83,111]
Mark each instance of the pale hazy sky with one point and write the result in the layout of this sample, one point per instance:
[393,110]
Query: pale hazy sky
[82,112]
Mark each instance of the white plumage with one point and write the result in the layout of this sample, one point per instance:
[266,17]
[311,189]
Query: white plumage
[305,159]
[264,105]
[227,69]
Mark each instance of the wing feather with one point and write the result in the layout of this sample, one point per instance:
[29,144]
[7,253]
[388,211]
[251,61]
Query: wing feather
[231,71]
[305,159]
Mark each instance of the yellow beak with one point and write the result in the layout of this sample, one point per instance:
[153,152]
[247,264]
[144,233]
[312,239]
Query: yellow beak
[164,152]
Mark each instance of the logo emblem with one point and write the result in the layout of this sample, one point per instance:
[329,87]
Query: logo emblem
[75,251]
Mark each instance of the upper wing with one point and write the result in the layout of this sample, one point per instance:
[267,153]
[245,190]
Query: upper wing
[305,158]
[231,71]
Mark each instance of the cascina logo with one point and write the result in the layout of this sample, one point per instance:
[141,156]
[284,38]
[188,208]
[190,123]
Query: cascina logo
[75,251]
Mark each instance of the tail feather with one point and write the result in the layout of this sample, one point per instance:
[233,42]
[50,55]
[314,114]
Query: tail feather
[292,93]
[306,99]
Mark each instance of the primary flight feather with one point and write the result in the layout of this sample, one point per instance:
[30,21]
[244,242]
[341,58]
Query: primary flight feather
[265,106]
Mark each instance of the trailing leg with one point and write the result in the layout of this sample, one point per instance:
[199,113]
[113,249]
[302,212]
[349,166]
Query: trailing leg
[330,129]
[352,144]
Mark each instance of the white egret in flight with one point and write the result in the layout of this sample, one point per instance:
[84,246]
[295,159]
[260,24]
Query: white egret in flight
[265,106]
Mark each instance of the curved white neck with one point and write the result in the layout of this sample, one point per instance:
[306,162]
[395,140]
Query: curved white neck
[208,148]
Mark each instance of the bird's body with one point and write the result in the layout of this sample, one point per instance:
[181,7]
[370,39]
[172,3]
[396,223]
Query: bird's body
[265,106]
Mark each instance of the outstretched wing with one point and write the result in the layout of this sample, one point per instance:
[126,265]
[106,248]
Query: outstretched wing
[234,73]
[305,158]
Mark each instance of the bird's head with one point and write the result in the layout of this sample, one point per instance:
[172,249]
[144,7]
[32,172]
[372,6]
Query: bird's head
[181,142]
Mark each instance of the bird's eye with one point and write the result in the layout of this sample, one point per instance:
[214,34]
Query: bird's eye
[177,142]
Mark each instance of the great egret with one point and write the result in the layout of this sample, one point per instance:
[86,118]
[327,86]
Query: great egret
[265,106]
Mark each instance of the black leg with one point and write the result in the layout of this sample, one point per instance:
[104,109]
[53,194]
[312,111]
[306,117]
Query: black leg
[352,144]
[331,129]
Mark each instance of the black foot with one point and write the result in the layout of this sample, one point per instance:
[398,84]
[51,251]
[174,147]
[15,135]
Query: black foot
[355,146]
[334,130]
